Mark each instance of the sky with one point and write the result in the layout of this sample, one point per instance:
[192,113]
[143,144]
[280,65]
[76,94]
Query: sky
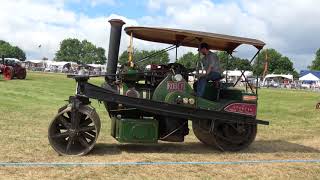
[290,26]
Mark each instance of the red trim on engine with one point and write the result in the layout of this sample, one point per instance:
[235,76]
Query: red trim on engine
[242,108]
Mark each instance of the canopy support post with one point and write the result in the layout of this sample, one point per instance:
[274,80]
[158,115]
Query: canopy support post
[227,66]
[245,78]
[177,52]
[257,83]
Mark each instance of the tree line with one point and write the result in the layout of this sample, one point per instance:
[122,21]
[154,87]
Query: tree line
[85,52]
[74,50]
[277,63]
[9,51]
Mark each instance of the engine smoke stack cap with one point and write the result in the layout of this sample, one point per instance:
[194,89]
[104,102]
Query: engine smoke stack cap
[116,22]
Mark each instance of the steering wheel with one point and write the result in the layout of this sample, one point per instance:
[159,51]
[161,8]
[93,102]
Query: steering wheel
[179,69]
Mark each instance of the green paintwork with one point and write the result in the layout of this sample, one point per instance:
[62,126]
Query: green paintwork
[231,94]
[199,102]
[225,92]
[146,130]
[209,105]
[161,91]
[209,101]
[135,130]
[173,96]
[131,74]
[124,88]
[211,92]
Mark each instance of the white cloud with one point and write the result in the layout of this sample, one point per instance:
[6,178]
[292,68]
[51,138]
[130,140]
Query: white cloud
[290,26]
[94,3]
[29,24]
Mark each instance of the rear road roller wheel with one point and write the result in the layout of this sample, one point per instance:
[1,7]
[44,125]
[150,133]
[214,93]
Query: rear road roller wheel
[201,130]
[21,74]
[225,136]
[66,140]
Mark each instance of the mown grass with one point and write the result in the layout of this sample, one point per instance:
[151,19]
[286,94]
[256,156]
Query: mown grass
[27,107]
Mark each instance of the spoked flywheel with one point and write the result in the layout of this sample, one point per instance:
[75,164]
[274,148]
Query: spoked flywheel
[74,137]
[225,136]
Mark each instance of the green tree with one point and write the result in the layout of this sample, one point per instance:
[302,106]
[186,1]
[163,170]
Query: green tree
[316,62]
[235,63]
[101,53]
[88,52]
[159,58]
[189,60]
[9,51]
[240,64]
[277,63]
[72,50]
[224,59]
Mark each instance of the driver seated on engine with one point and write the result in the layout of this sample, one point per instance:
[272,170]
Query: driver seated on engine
[211,64]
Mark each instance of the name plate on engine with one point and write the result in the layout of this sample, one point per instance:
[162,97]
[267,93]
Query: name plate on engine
[175,86]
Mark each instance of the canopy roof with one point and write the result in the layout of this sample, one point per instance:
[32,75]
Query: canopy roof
[192,38]
[12,59]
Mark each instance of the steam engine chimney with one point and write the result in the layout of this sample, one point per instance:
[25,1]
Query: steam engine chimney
[114,44]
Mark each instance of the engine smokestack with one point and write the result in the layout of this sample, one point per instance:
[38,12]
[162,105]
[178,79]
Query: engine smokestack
[114,44]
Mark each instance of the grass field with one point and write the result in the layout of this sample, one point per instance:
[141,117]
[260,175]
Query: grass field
[27,107]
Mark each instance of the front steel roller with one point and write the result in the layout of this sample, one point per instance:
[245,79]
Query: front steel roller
[224,136]
[66,140]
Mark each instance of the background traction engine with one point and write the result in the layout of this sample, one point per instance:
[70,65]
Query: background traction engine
[11,69]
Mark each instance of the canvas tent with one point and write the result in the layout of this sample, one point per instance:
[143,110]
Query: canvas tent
[311,76]
[235,74]
[60,66]
[36,64]
[287,77]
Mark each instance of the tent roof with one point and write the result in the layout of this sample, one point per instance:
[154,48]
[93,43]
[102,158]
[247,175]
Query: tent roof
[279,75]
[305,72]
[36,61]
[191,38]
[238,73]
[95,65]
[60,63]
[309,77]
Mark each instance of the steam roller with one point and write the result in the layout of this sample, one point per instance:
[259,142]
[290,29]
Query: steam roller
[148,104]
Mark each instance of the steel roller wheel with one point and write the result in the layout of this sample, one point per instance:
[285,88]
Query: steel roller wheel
[66,140]
[225,136]
[201,130]
[8,73]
